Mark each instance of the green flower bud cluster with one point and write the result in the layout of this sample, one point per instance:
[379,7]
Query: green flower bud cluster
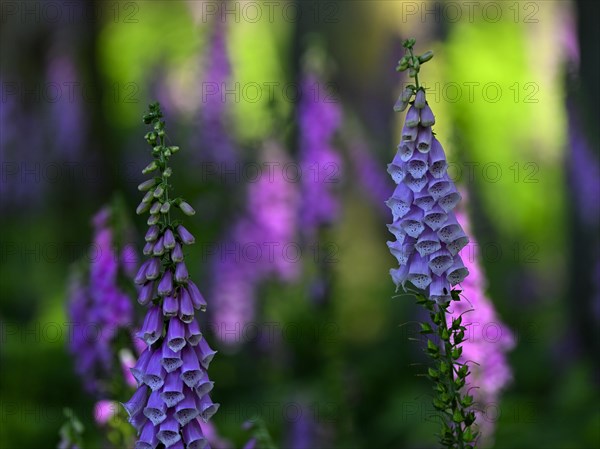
[412,63]
[157,189]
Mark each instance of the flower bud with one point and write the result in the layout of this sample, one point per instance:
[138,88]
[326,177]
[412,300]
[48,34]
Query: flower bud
[147,185]
[186,208]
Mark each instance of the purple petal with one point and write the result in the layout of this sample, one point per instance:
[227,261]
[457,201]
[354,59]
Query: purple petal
[205,353]
[171,360]
[172,391]
[165,287]
[169,239]
[185,235]
[197,299]
[439,290]
[177,253]
[190,371]
[146,293]
[137,401]
[186,410]
[168,432]
[155,373]
[440,261]
[427,117]
[176,335]
[424,139]
[192,333]
[418,272]
[193,437]
[181,273]
[412,117]
[156,409]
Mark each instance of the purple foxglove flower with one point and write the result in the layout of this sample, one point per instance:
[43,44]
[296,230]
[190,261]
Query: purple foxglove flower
[427,216]
[181,273]
[169,366]
[186,410]
[171,360]
[148,248]
[154,376]
[420,101]
[185,235]
[190,370]
[186,308]
[153,219]
[424,139]
[137,401]
[159,247]
[140,277]
[187,209]
[155,209]
[165,208]
[205,353]
[207,407]
[170,306]
[412,117]
[147,438]
[192,435]
[192,333]
[147,185]
[153,270]
[152,233]
[146,293]
[424,200]
[417,166]
[139,369]
[405,152]
[426,115]
[172,391]
[195,295]
[96,300]
[155,409]
[153,326]
[169,239]
[168,433]
[437,159]
[165,286]
[409,134]
[177,253]
[176,335]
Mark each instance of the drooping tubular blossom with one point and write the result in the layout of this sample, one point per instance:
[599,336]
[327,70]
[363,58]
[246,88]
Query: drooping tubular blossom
[428,237]
[98,302]
[171,374]
[319,118]
[488,340]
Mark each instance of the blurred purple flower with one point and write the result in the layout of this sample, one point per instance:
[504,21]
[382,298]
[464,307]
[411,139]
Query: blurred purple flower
[260,245]
[302,433]
[67,112]
[214,138]
[98,309]
[428,237]
[584,170]
[488,339]
[368,172]
[319,118]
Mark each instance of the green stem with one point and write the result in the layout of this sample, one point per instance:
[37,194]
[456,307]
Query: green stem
[451,385]
[416,70]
